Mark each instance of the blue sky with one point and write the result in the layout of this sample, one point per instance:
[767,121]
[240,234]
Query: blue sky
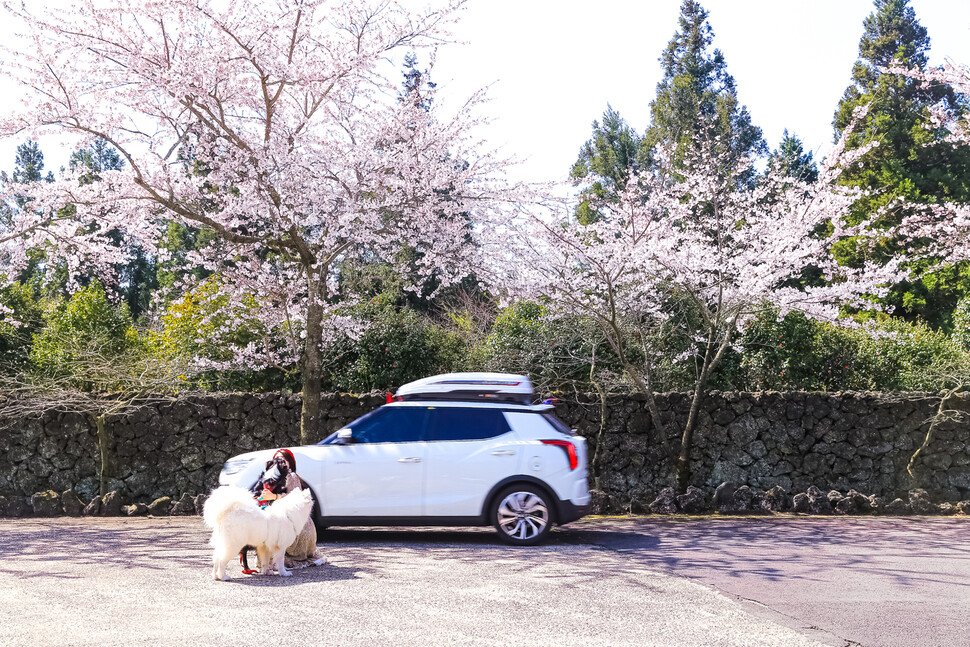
[552,66]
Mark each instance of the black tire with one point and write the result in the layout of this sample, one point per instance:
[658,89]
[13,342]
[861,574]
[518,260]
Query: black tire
[522,515]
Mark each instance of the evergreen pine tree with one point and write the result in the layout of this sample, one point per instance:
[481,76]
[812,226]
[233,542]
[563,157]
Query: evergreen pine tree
[29,164]
[97,158]
[29,168]
[792,160]
[416,85]
[904,164]
[697,97]
[605,162]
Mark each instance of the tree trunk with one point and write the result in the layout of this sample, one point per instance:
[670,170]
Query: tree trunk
[312,361]
[106,470]
[940,416]
[594,464]
[687,439]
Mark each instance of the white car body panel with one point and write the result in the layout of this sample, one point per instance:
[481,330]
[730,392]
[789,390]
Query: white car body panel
[548,462]
[374,479]
[461,473]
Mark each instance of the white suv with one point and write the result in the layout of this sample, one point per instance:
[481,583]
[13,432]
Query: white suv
[457,449]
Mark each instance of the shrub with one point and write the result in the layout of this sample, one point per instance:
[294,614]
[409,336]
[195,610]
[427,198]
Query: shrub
[80,330]
[203,327]
[90,358]
[556,352]
[21,319]
[885,354]
[897,355]
[961,323]
[397,345]
[794,352]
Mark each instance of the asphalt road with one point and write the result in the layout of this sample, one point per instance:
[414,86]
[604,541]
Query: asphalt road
[872,581]
[775,582]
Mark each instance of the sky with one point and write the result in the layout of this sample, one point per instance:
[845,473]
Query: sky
[552,66]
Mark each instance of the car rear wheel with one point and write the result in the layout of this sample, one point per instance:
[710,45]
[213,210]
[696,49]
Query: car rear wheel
[522,515]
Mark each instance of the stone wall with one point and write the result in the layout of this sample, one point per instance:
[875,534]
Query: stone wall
[839,441]
[166,449]
[834,441]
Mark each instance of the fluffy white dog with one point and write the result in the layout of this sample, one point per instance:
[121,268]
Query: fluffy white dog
[237,520]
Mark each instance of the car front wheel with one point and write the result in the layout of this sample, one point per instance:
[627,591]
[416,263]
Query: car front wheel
[522,515]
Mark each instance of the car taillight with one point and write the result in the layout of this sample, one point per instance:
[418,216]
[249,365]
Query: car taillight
[567,447]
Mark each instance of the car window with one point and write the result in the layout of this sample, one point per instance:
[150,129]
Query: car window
[390,425]
[459,423]
[558,424]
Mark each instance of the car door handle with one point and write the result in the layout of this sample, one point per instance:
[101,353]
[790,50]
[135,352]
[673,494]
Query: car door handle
[410,459]
[504,452]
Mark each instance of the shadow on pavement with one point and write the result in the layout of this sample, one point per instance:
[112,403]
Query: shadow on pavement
[783,548]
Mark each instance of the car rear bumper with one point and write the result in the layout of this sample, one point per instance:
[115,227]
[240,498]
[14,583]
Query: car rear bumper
[569,511]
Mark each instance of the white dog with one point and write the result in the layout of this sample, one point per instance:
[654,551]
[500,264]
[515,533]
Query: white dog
[237,520]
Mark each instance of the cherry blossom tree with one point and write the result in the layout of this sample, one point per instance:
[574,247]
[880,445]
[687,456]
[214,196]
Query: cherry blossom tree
[278,126]
[696,255]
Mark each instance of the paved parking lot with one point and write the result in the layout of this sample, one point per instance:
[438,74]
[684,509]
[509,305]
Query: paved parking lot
[872,581]
[615,582]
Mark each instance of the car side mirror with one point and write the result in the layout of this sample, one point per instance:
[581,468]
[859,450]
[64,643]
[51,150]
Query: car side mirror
[345,436]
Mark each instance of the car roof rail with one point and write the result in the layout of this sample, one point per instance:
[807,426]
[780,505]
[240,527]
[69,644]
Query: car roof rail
[466,396]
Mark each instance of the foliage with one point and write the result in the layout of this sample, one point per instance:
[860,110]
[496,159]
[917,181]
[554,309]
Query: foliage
[96,158]
[205,329]
[791,159]
[21,319]
[178,242]
[558,352]
[961,323]
[90,360]
[88,324]
[895,355]
[396,345]
[604,164]
[909,163]
[886,354]
[697,100]
[400,279]
[29,168]
[135,278]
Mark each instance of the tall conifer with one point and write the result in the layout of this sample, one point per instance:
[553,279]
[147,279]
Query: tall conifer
[904,164]
[697,97]
[605,163]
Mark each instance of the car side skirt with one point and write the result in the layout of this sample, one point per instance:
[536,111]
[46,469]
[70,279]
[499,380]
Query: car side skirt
[401,521]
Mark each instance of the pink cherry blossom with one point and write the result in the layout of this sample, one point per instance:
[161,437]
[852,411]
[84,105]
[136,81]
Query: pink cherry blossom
[692,248]
[279,126]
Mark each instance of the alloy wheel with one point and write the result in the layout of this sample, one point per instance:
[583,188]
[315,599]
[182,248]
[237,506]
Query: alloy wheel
[523,516]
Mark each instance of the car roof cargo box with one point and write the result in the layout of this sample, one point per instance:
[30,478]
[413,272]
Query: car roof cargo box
[474,387]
